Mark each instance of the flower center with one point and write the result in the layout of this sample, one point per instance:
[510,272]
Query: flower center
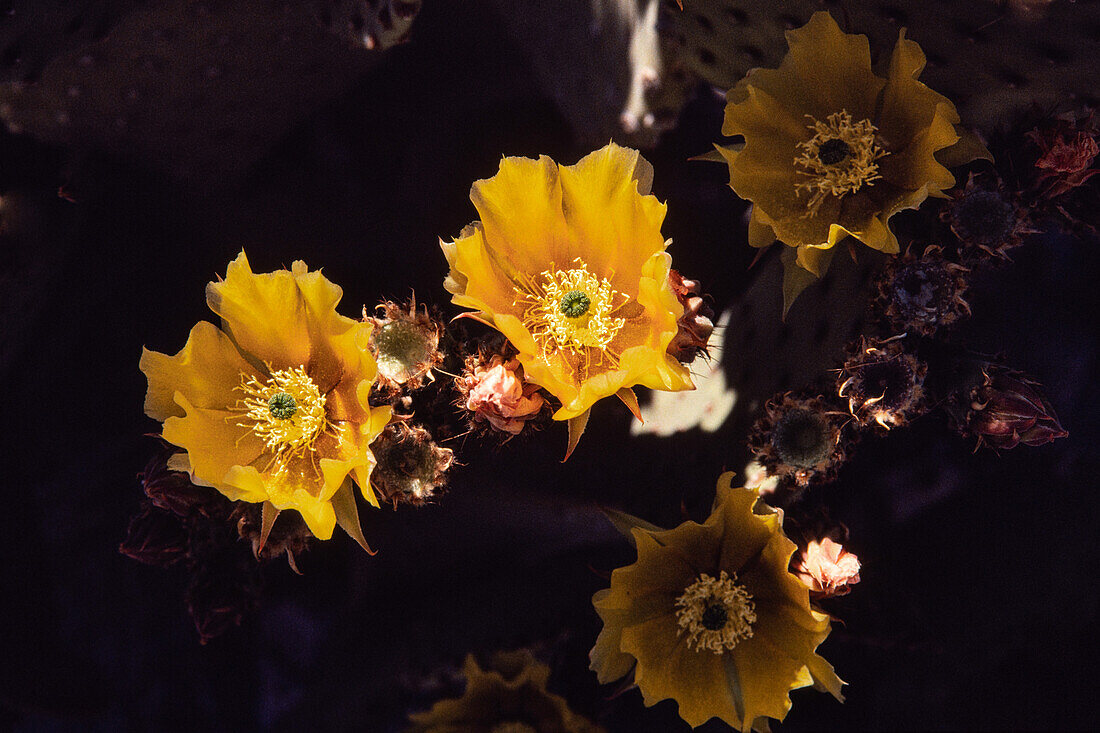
[833,150]
[286,411]
[714,617]
[840,158]
[572,309]
[715,613]
[282,405]
[574,304]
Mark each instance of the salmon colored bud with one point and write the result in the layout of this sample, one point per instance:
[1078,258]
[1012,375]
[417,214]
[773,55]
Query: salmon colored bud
[826,568]
[497,393]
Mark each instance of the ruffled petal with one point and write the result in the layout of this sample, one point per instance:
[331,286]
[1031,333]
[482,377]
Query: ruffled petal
[607,659]
[668,668]
[215,443]
[825,71]
[295,492]
[265,314]
[522,219]
[766,675]
[615,228]
[205,371]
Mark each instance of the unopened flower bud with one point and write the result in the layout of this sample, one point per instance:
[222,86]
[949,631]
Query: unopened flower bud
[826,568]
[495,393]
[884,383]
[1007,410]
[696,324]
[411,467]
[405,343]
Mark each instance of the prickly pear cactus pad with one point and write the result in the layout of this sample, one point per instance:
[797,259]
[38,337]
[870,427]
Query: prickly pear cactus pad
[199,89]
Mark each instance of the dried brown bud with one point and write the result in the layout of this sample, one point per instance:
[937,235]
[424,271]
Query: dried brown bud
[798,438]
[1007,410]
[288,535]
[986,219]
[173,491]
[411,467]
[923,294]
[695,325]
[155,537]
[883,382]
[184,522]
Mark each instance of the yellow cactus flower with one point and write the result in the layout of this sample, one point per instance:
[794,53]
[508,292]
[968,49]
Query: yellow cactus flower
[831,149]
[711,617]
[272,407]
[508,696]
[569,263]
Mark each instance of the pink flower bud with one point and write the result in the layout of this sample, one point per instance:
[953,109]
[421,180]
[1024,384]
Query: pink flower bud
[497,393]
[1067,150]
[826,568]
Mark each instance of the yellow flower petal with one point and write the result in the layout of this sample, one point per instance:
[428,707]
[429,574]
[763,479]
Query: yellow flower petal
[766,676]
[521,215]
[696,680]
[607,656]
[761,229]
[214,443]
[607,216]
[263,313]
[207,368]
[820,55]
[294,493]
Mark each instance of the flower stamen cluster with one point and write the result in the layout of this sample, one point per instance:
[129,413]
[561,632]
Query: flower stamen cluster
[840,158]
[571,309]
[716,613]
[287,412]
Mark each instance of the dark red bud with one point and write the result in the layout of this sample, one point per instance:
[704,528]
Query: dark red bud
[155,537]
[1008,410]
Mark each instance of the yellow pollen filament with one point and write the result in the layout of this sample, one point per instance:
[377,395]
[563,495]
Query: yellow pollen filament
[840,158]
[287,431]
[715,613]
[571,309]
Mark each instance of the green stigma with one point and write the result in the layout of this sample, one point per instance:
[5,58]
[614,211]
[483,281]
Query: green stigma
[575,303]
[282,406]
